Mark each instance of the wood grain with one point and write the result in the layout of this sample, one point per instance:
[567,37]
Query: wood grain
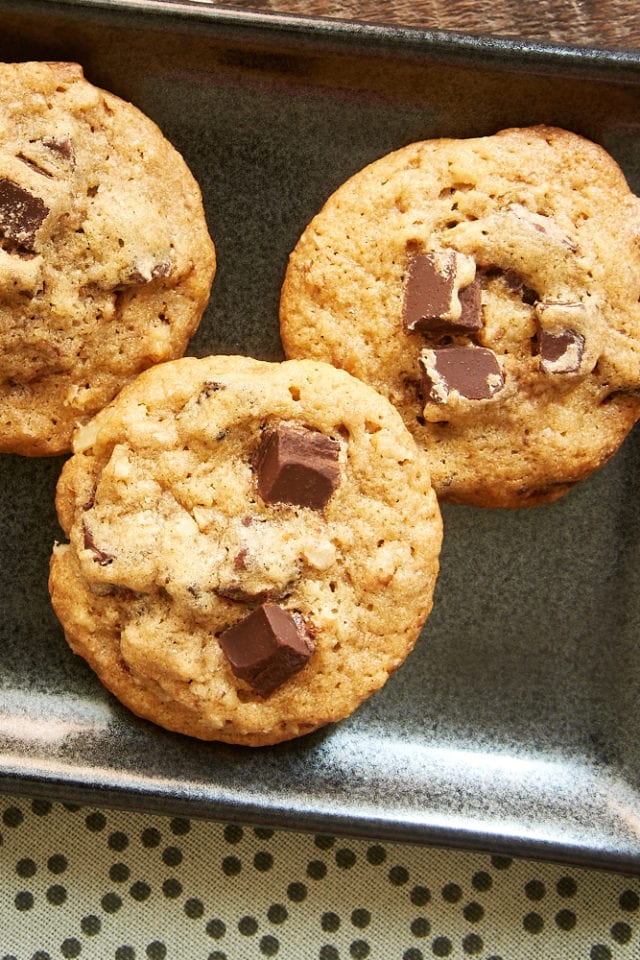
[600,23]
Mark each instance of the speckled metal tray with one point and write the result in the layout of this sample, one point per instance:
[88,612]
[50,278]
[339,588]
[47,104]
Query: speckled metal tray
[514,726]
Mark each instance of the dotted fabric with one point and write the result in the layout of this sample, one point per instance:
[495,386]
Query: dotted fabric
[101,884]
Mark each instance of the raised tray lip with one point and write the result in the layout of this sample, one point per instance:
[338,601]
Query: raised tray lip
[171,798]
[490,50]
[341,38]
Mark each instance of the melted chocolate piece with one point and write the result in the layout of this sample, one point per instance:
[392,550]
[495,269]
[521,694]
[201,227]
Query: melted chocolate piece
[472,372]
[296,465]
[240,559]
[433,302]
[139,275]
[515,283]
[239,593]
[562,352]
[49,156]
[561,328]
[21,215]
[267,647]
[34,166]
[100,556]
[62,147]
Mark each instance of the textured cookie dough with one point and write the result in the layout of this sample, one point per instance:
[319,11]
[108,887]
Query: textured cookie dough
[106,262]
[179,505]
[489,288]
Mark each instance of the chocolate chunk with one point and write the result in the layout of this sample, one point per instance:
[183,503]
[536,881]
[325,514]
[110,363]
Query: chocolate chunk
[471,313]
[297,465]
[21,215]
[433,301]
[267,647]
[562,329]
[240,560]
[561,352]
[428,293]
[162,269]
[140,273]
[472,372]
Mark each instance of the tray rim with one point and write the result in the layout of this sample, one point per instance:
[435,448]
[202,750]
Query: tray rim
[335,37]
[152,798]
[511,53]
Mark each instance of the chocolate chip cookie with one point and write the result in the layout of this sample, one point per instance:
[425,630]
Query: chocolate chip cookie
[106,262]
[490,289]
[253,547]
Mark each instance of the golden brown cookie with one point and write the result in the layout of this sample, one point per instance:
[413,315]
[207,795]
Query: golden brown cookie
[490,289]
[106,263]
[253,547]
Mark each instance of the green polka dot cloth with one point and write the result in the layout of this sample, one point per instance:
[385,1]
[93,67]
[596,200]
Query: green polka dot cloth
[113,885]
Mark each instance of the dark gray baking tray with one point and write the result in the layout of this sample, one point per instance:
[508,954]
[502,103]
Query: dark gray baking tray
[513,727]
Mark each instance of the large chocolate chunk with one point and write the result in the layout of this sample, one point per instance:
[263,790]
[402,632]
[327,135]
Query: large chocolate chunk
[297,465]
[21,215]
[440,296]
[267,647]
[470,372]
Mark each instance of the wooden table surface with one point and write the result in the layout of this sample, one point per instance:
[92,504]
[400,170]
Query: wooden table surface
[600,23]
